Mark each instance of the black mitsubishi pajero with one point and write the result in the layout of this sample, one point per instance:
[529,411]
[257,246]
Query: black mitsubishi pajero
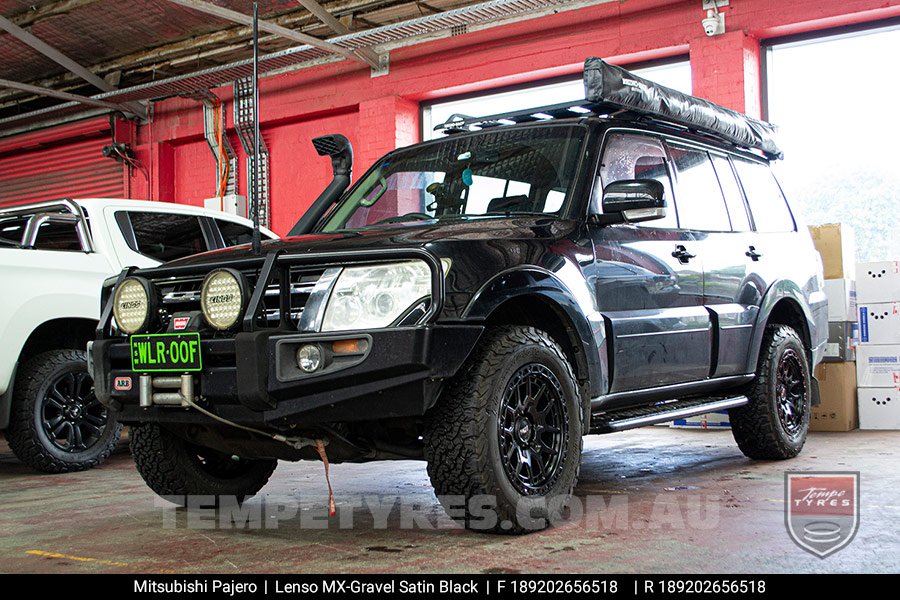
[482,301]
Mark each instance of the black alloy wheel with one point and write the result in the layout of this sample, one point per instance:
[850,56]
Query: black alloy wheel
[530,428]
[71,416]
[790,388]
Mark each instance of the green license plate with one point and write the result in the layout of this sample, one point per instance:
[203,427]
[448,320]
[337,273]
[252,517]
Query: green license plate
[166,353]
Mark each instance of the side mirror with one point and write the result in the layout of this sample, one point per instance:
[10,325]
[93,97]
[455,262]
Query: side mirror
[633,200]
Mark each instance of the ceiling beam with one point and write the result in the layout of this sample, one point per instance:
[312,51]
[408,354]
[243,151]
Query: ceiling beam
[321,13]
[53,9]
[26,37]
[53,54]
[40,91]
[269,27]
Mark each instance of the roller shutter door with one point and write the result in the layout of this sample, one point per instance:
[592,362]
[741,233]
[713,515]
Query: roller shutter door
[67,168]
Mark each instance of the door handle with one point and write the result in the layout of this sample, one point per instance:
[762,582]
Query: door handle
[753,254]
[682,254]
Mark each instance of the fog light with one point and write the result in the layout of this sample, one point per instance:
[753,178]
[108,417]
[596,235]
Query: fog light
[309,358]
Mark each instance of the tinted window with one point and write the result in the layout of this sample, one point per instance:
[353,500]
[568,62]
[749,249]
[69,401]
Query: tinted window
[734,200]
[166,237]
[235,234]
[13,229]
[697,192]
[57,236]
[767,204]
[637,157]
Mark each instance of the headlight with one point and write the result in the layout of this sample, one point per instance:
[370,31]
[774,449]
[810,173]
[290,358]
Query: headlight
[372,297]
[132,304]
[223,297]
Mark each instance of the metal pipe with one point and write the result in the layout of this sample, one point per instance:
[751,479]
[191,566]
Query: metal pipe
[257,239]
[145,391]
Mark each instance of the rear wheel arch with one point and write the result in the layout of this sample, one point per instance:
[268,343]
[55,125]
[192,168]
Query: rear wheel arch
[783,304]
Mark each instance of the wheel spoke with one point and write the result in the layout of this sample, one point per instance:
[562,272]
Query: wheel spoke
[79,391]
[55,402]
[76,433]
[70,435]
[60,398]
[70,385]
[57,429]
[94,420]
[537,462]
[93,429]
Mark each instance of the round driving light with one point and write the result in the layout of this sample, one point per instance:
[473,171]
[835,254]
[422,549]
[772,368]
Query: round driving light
[309,358]
[223,297]
[132,304]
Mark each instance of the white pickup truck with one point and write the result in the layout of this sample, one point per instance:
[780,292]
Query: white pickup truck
[54,257]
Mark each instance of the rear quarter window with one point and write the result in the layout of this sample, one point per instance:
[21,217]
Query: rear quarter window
[767,204]
[235,234]
[166,237]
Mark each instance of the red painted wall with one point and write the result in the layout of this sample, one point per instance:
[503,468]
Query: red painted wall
[380,113]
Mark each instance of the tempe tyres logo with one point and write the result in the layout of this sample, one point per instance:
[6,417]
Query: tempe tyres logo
[821,510]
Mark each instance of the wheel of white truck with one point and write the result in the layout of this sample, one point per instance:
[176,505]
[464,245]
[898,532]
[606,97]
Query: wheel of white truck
[57,424]
[176,469]
[775,423]
[503,443]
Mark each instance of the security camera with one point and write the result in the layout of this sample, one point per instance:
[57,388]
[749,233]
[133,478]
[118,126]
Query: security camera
[714,23]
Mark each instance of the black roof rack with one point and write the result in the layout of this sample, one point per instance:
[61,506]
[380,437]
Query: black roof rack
[613,91]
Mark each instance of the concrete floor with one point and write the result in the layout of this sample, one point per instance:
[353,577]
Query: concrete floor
[692,504]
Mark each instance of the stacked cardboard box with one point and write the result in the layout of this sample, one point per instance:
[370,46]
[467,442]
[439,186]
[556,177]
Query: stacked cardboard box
[837,374]
[878,358]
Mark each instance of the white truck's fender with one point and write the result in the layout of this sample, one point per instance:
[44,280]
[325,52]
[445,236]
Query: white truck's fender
[41,286]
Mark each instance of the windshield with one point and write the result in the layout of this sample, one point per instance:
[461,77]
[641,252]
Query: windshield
[503,171]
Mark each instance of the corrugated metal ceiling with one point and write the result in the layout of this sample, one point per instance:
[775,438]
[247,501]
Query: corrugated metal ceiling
[154,48]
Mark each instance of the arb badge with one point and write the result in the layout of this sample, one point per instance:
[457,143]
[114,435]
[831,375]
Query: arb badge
[821,509]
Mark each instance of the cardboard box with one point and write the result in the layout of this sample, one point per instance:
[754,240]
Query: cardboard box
[879,408]
[842,340]
[878,281]
[713,420]
[837,245]
[879,323]
[841,294]
[837,387]
[878,365]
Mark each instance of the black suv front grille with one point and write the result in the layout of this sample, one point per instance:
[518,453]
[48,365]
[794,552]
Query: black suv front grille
[182,294]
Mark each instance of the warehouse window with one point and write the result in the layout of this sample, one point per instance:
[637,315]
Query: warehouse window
[834,99]
[676,75]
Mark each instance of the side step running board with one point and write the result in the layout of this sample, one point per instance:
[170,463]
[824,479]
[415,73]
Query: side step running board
[632,418]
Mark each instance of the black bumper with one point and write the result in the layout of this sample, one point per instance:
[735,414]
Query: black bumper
[252,378]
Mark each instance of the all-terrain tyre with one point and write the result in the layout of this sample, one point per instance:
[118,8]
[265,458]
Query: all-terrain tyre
[175,469]
[503,443]
[57,425]
[774,425]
